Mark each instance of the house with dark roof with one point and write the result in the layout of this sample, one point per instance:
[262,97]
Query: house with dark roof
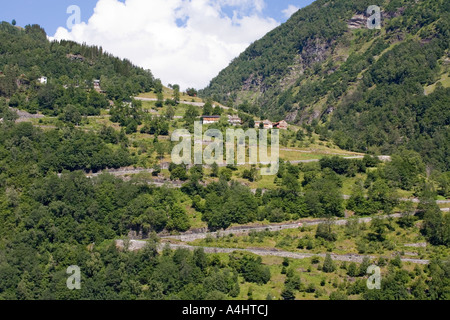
[282,125]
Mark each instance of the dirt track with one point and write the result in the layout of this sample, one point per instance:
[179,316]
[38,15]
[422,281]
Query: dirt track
[135,245]
[202,234]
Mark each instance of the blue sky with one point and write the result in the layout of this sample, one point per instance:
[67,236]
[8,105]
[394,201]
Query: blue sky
[51,14]
[182,41]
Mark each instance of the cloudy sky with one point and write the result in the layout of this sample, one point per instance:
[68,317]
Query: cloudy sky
[182,41]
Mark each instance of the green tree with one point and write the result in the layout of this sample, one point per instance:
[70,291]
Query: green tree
[191,115]
[226,174]
[160,100]
[207,108]
[405,169]
[378,230]
[176,93]
[325,231]
[179,219]
[328,264]
[170,113]
[353,270]
[214,170]
[71,115]
[288,293]
[436,227]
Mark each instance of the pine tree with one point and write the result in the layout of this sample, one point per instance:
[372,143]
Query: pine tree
[328,264]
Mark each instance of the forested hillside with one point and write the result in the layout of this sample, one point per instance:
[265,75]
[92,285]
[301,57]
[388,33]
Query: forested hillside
[62,206]
[368,90]
[26,55]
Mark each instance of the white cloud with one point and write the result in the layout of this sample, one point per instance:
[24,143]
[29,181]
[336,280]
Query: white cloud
[290,10]
[146,32]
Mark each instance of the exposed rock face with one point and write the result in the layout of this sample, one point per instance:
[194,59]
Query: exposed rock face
[253,83]
[304,116]
[315,50]
[291,116]
[76,57]
[358,21]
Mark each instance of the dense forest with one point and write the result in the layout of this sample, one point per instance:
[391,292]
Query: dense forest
[26,55]
[367,90]
[50,221]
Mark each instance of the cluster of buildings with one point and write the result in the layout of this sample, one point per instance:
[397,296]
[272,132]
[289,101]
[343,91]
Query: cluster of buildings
[235,120]
[96,83]
[210,119]
[267,124]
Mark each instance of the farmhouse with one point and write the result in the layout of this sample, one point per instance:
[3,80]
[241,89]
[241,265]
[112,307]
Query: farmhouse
[234,120]
[267,124]
[210,119]
[282,125]
[96,83]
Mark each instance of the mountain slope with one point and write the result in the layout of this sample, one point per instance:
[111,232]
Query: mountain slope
[27,55]
[365,89]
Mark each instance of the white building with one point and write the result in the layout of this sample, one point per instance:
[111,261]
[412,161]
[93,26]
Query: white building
[42,80]
[234,120]
[266,123]
[283,125]
[210,119]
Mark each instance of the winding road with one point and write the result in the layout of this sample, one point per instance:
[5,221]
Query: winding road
[178,184]
[202,233]
[134,245]
[197,104]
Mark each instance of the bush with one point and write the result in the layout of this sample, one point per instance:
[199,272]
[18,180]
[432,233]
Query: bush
[353,270]
[288,293]
[251,268]
[315,260]
[397,261]
[311,288]
[337,295]
[226,174]
[325,231]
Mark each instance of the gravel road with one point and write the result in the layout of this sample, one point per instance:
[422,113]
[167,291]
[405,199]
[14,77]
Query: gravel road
[135,245]
[202,234]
